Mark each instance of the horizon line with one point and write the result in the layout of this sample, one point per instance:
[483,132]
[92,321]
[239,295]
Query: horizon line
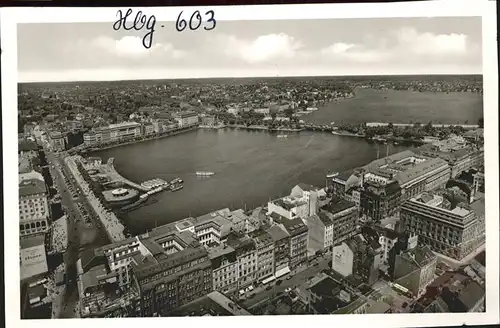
[253,77]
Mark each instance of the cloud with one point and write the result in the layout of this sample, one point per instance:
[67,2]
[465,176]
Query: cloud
[262,49]
[132,47]
[429,44]
[352,52]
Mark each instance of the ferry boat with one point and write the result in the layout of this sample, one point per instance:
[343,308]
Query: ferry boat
[176,180]
[176,187]
[282,136]
[331,175]
[204,173]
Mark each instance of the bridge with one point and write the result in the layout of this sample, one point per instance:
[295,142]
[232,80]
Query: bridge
[116,177]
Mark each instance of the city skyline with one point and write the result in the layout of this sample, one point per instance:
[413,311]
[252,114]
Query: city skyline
[392,46]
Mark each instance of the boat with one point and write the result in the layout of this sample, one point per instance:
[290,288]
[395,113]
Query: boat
[204,173]
[176,180]
[176,187]
[331,175]
[282,136]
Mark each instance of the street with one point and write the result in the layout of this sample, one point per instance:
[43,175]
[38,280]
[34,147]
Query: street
[75,224]
[302,275]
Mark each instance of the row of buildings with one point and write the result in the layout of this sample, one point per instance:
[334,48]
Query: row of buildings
[408,186]
[35,213]
[127,130]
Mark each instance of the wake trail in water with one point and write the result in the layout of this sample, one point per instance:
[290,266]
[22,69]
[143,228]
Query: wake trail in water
[309,142]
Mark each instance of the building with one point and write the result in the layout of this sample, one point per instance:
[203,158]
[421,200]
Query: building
[170,281]
[339,183]
[343,259]
[453,232]
[387,238]
[213,304]
[313,196]
[113,133]
[459,160]
[359,257]
[33,207]
[289,207]
[136,276]
[320,233]
[281,240]
[478,182]
[213,228]
[246,254]
[57,141]
[33,257]
[414,269]
[386,183]
[224,269]
[452,292]
[298,233]
[30,175]
[327,296]
[147,129]
[344,217]
[265,254]
[208,120]
[239,221]
[186,119]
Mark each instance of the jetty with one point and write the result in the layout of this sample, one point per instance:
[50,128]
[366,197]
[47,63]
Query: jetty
[116,177]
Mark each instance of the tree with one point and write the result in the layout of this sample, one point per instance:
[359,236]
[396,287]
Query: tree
[480,122]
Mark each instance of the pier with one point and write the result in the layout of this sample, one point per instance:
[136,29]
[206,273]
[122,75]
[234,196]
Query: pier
[116,177]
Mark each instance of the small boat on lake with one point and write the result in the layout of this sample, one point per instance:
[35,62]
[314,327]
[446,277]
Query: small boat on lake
[282,136]
[204,173]
[176,187]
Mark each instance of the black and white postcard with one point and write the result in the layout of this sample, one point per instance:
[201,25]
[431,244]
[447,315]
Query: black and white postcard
[319,164]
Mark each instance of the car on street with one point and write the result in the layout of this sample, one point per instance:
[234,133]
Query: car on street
[289,289]
[279,282]
[289,277]
[269,287]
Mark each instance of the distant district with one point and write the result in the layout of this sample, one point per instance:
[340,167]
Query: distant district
[402,233]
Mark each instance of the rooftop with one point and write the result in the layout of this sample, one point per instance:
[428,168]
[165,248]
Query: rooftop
[32,241]
[307,187]
[213,304]
[295,226]
[31,187]
[421,256]
[277,232]
[338,206]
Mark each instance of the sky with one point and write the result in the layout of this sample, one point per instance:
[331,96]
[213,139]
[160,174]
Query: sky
[381,46]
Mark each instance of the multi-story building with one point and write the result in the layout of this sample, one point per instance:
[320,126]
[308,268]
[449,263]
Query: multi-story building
[344,216]
[281,240]
[186,119]
[386,183]
[415,269]
[208,120]
[453,232]
[33,207]
[152,273]
[147,129]
[239,221]
[340,183]
[33,257]
[246,253]
[57,141]
[289,207]
[320,233]
[387,238]
[112,133]
[298,232]
[213,228]
[265,253]
[460,160]
[313,196]
[224,269]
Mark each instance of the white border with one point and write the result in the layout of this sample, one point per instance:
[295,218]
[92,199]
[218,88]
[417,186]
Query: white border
[11,16]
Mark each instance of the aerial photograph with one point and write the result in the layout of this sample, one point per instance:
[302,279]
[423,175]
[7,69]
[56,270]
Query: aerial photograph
[287,167]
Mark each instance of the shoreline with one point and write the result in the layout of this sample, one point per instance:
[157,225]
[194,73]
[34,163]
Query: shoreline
[156,137]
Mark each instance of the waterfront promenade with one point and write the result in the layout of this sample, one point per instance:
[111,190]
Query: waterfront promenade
[113,226]
[111,172]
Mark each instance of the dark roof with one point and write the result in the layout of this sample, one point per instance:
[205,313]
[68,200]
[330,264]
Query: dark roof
[277,233]
[91,257]
[261,237]
[324,218]
[295,226]
[338,206]
[28,145]
[31,187]
[307,187]
[36,291]
[32,241]
[471,294]
[481,258]
[220,253]
[201,307]
[173,260]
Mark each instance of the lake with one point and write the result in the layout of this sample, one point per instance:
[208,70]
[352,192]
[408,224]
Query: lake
[250,168]
[370,105]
